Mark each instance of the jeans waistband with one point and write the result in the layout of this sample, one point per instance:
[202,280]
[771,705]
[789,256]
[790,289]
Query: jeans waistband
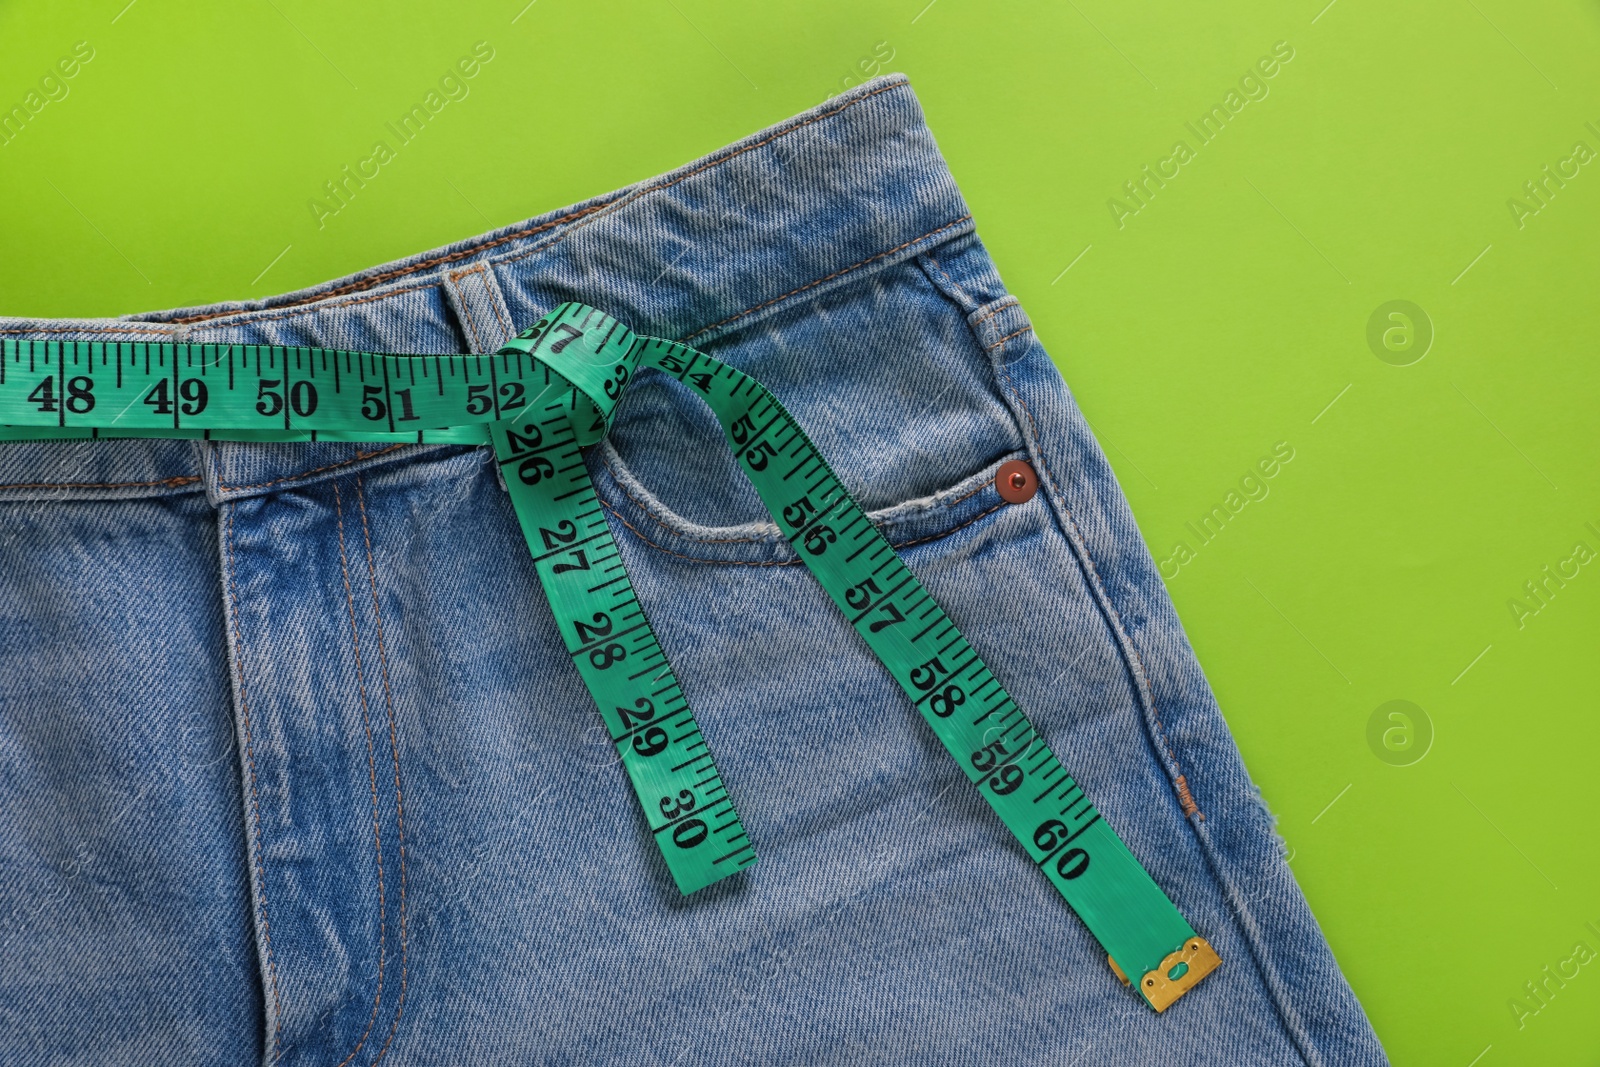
[709,248]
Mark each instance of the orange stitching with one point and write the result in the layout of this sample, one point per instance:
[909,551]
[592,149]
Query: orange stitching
[489,294]
[252,317]
[782,562]
[650,513]
[1005,303]
[694,559]
[496,299]
[255,803]
[953,283]
[619,201]
[953,529]
[1185,798]
[1007,337]
[974,491]
[316,470]
[170,482]
[470,318]
[394,751]
[828,278]
[372,772]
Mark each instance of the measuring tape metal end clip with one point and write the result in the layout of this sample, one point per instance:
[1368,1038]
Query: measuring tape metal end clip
[1178,973]
[543,398]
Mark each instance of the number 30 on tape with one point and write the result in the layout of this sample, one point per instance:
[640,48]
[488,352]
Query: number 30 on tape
[540,401]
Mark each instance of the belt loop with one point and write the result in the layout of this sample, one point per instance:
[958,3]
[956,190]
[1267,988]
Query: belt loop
[474,294]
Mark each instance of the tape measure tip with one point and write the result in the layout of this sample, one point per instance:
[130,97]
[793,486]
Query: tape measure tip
[1178,972]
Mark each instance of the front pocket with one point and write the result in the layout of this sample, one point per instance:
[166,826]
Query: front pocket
[884,375]
[761,543]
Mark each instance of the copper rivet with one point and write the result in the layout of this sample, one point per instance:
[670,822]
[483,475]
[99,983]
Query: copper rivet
[1016,482]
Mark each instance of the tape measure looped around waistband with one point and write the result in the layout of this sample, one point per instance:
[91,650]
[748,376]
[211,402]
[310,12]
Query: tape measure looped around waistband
[539,401]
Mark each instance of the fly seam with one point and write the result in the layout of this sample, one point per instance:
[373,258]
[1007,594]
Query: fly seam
[372,772]
[394,752]
[255,803]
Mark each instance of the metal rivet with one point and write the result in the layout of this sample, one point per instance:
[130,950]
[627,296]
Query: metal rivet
[1016,482]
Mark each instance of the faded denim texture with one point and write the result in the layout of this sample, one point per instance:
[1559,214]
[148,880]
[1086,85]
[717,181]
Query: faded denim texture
[295,769]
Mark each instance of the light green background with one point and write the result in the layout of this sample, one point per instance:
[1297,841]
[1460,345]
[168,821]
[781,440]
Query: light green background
[1227,315]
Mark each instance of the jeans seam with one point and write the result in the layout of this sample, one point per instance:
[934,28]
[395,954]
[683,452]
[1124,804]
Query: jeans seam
[649,512]
[372,774]
[255,802]
[298,309]
[355,287]
[825,278]
[1288,1016]
[1003,340]
[785,562]
[490,295]
[1260,953]
[317,470]
[1001,370]
[471,319]
[394,752]
[1180,784]
[496,298]
[170,483]
[968,297]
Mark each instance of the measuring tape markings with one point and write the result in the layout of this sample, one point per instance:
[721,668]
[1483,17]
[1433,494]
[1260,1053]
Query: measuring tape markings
[174,388]
[276,393]
[540,400]
[579,564]
[979,723]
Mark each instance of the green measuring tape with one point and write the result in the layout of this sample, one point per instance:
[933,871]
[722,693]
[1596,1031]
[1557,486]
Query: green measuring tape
[539,401]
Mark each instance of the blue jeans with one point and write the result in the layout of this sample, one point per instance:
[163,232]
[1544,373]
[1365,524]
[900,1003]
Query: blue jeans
[294,767]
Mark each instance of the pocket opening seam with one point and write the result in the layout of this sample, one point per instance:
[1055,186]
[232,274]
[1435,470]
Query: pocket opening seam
[896,545]
[981,319]
[1180,783]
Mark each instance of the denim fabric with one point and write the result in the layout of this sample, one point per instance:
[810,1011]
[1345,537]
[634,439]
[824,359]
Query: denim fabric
[295,769]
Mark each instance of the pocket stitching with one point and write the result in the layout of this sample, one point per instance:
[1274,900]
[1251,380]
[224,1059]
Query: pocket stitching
[1180,783]
[1002,370]
[790,562]
[649,509]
